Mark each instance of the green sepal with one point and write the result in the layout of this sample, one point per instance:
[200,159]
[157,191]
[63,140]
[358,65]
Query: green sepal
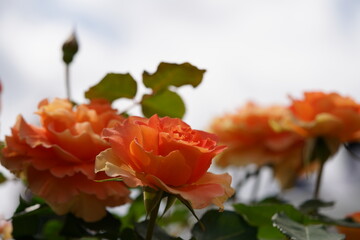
[152,198]
[171,199]
[188,205]
[319,149]
[115,179]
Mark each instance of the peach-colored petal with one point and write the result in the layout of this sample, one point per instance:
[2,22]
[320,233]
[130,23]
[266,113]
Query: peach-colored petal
[163,153]
[58,157]
[201,194]
[172,169]
[108,162]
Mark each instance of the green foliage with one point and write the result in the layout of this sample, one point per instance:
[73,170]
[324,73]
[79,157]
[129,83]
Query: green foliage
[223,225]
[52,228]
[113,86]
[129,234]
[260,214]
[108,227]
[2,178]
[134,214]
[159,233]
[179,214]
[319,149]
[312,205]
[163,103]
[28,223]
[297,231]
[169,74]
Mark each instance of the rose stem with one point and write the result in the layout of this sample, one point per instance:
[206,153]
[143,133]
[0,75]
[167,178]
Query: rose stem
[67,81]
[318,180]
[152,221]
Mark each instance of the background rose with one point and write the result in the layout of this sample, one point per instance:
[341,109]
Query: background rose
[351,233]
[57,158]
[166,154]
[327,115]
[251,139]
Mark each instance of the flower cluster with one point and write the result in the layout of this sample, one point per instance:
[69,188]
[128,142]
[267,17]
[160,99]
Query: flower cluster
[279,135]
[57,159]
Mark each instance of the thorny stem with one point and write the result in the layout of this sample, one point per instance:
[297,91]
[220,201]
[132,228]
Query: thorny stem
[152,221]
[318,180]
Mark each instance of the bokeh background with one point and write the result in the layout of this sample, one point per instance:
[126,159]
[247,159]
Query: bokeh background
[255,50]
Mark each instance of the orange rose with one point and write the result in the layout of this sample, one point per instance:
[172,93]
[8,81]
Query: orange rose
[165,154]
[325,115]
[252,140]
[351,233]
[58,158]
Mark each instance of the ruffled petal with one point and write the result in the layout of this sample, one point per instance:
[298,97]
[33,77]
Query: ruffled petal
[211,188]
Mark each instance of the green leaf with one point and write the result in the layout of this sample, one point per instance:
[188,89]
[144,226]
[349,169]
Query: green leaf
[312,205]
[159,233]
[113,86]
[2,178]
[108,227]
[269,233]
[260,214]
[164,103]
[339,222]
[223,225]
[135,213]
[170,74]
[52,229]
[297,231]
[129,234]
[30,217]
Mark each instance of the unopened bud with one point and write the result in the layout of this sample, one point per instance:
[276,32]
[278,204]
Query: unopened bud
[70,48]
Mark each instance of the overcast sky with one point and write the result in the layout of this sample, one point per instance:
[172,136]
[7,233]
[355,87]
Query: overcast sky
[252,50]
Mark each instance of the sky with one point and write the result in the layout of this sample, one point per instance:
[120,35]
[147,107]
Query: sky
[259,50]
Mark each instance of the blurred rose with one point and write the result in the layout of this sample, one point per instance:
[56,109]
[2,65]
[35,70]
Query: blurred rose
[57,159]
[165,153]
[252,140]
[327,115]
[5,229]
[351,233]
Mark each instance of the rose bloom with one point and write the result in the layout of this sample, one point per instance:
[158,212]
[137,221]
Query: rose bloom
[351,233]
[57,159]
[165,154]
[251,139]
[328,115]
